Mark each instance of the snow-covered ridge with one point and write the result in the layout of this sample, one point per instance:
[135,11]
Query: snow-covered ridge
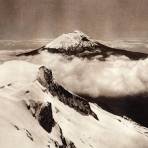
[71,40]
[79,104]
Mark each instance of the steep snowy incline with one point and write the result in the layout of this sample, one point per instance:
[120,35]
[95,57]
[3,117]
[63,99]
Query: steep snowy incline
[26,120]
[26,105]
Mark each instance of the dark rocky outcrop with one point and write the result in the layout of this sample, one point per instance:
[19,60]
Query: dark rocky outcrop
[45,117]
[65,143]
[78,103]
[29,135]
[61,142]
[98,50]
[30,52]
[43,113]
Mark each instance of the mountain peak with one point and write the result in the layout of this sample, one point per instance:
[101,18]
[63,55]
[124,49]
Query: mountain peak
[76,39]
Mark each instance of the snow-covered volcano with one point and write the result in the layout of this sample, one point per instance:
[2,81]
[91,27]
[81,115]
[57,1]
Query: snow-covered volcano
[80,45]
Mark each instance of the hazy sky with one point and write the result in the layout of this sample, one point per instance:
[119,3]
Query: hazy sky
[101,19]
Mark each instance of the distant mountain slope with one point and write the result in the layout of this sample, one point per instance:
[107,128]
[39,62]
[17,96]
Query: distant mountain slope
[80,45]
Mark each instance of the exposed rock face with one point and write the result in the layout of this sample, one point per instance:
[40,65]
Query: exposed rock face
[63,143]
[43,113]
[45,76]
[72,42]
[45,117]
[79,104]
[30,52]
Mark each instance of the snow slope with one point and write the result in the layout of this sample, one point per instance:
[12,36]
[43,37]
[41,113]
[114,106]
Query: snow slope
[20,125]
[74,39]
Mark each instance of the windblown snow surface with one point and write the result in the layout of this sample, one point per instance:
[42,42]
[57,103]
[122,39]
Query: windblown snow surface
[23,97]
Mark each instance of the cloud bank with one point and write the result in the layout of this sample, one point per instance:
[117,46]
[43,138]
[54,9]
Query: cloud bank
[115,77]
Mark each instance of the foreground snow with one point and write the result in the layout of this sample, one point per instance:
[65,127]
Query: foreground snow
[20,129]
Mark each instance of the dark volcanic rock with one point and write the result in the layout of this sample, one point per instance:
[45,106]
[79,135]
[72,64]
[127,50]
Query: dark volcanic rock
[65,142]
[78,103]
[43,113]
[98,50]
[32,52]
[45,117]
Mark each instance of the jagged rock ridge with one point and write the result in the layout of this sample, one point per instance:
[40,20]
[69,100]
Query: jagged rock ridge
[79,104]
[43,113]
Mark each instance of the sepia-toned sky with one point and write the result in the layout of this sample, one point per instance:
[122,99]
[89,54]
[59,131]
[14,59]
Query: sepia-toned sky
[101,19]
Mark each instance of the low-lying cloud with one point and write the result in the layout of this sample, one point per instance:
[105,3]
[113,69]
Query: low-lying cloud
[97,78]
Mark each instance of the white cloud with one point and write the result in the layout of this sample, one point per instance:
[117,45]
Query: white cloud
[111,78]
